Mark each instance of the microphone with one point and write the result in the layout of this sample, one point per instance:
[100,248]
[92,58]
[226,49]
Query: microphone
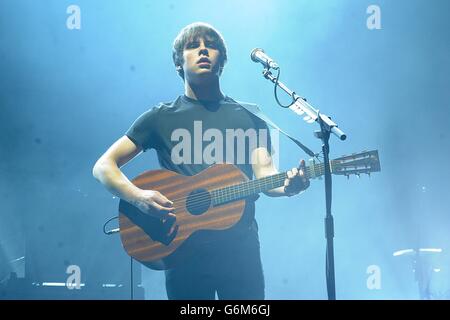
[258,55]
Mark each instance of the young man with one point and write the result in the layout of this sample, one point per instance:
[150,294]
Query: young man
[229,262]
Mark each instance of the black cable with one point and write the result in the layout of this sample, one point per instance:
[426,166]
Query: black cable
[293,99]
[110,232]
[131,288]
[106,223]
[276,95]
[318,155]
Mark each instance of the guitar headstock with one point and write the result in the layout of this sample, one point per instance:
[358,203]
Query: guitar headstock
[356,163]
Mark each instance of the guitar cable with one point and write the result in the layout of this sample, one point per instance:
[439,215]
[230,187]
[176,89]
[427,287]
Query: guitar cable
[111,232]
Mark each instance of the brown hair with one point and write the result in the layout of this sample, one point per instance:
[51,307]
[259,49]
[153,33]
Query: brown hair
[192,32]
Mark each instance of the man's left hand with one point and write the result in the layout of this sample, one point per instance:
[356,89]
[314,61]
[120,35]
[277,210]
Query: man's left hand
[296,181]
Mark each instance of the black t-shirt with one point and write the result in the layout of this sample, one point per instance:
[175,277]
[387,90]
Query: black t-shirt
[190,135]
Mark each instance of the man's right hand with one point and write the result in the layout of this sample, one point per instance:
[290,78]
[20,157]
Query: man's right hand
[155,204]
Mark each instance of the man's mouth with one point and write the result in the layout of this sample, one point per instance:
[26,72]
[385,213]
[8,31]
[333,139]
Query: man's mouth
[203,61]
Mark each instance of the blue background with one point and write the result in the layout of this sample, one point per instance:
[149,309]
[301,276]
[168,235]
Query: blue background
[66,95]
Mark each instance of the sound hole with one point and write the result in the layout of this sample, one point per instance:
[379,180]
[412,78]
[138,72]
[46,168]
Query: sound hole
[198,201]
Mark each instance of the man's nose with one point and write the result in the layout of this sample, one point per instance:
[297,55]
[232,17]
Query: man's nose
[202,49]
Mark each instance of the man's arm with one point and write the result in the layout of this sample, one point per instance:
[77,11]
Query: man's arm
[107,171]
[263,166]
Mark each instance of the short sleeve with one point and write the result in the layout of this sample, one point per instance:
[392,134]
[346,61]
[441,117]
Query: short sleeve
[142,131]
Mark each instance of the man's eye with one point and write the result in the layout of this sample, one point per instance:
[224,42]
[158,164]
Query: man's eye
[192,45]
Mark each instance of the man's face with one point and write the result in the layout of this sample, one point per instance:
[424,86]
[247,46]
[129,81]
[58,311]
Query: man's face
[201,60]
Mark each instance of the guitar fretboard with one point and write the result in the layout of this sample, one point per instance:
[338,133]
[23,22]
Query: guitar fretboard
[251,187]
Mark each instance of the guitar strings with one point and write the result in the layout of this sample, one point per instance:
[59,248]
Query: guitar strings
[200,200]
[319,167]
[203,199]
[240,188]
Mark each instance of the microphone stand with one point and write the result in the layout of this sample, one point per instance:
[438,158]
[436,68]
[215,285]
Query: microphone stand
[301,107]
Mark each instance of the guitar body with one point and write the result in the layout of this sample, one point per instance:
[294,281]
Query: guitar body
[145,238]
[214,199]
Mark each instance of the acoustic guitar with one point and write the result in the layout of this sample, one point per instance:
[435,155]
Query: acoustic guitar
[213,199]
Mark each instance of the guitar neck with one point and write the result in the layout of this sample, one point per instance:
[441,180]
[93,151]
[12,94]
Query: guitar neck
[252,187]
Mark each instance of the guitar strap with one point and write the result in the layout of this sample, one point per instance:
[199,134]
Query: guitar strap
[253,109]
